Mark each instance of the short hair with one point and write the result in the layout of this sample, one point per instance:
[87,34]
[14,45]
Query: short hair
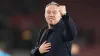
[52,3]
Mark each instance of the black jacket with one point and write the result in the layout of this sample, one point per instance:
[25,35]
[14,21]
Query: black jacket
[60,38]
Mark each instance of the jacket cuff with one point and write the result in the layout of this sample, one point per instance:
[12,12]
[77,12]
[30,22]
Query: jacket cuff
[37,53]
[65,18]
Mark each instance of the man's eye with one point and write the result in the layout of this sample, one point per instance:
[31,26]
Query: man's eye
[55,12]
[48,12]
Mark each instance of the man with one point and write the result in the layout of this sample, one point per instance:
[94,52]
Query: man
[55,39]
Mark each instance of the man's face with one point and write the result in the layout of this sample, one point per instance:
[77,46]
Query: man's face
[52,14]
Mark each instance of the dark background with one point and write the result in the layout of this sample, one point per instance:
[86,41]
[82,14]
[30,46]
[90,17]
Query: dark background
[21,20]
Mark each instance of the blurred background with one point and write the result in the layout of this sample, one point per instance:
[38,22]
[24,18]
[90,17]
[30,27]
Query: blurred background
[21,20]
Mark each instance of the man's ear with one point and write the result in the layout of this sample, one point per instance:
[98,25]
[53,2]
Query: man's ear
[44,16]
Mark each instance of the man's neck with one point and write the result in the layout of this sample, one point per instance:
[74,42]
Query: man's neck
[50,26]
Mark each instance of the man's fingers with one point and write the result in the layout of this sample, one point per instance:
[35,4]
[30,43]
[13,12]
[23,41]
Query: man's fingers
[62,6]
[44,42]
[48,43]
[48,48]
[62,9]
[46,51]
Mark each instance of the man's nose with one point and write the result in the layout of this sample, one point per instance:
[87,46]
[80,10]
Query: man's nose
[51,14]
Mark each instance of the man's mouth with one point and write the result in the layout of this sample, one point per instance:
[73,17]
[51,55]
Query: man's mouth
[51,19]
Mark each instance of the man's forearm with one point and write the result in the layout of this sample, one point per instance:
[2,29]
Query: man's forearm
[70,27]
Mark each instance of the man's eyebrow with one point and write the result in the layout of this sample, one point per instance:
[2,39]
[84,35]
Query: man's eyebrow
[48,10]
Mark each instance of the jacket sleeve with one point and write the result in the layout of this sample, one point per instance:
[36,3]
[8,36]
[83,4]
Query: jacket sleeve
[35,50]
[70,29]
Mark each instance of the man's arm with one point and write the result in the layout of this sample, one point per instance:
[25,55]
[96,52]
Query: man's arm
[35,50]
[40,50]
[70,32]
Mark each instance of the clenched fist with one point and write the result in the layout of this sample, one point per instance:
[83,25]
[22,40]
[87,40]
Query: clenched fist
[45,47]
[62,9]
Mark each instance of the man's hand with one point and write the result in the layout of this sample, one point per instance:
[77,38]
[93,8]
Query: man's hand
[45,47]
[62,9]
